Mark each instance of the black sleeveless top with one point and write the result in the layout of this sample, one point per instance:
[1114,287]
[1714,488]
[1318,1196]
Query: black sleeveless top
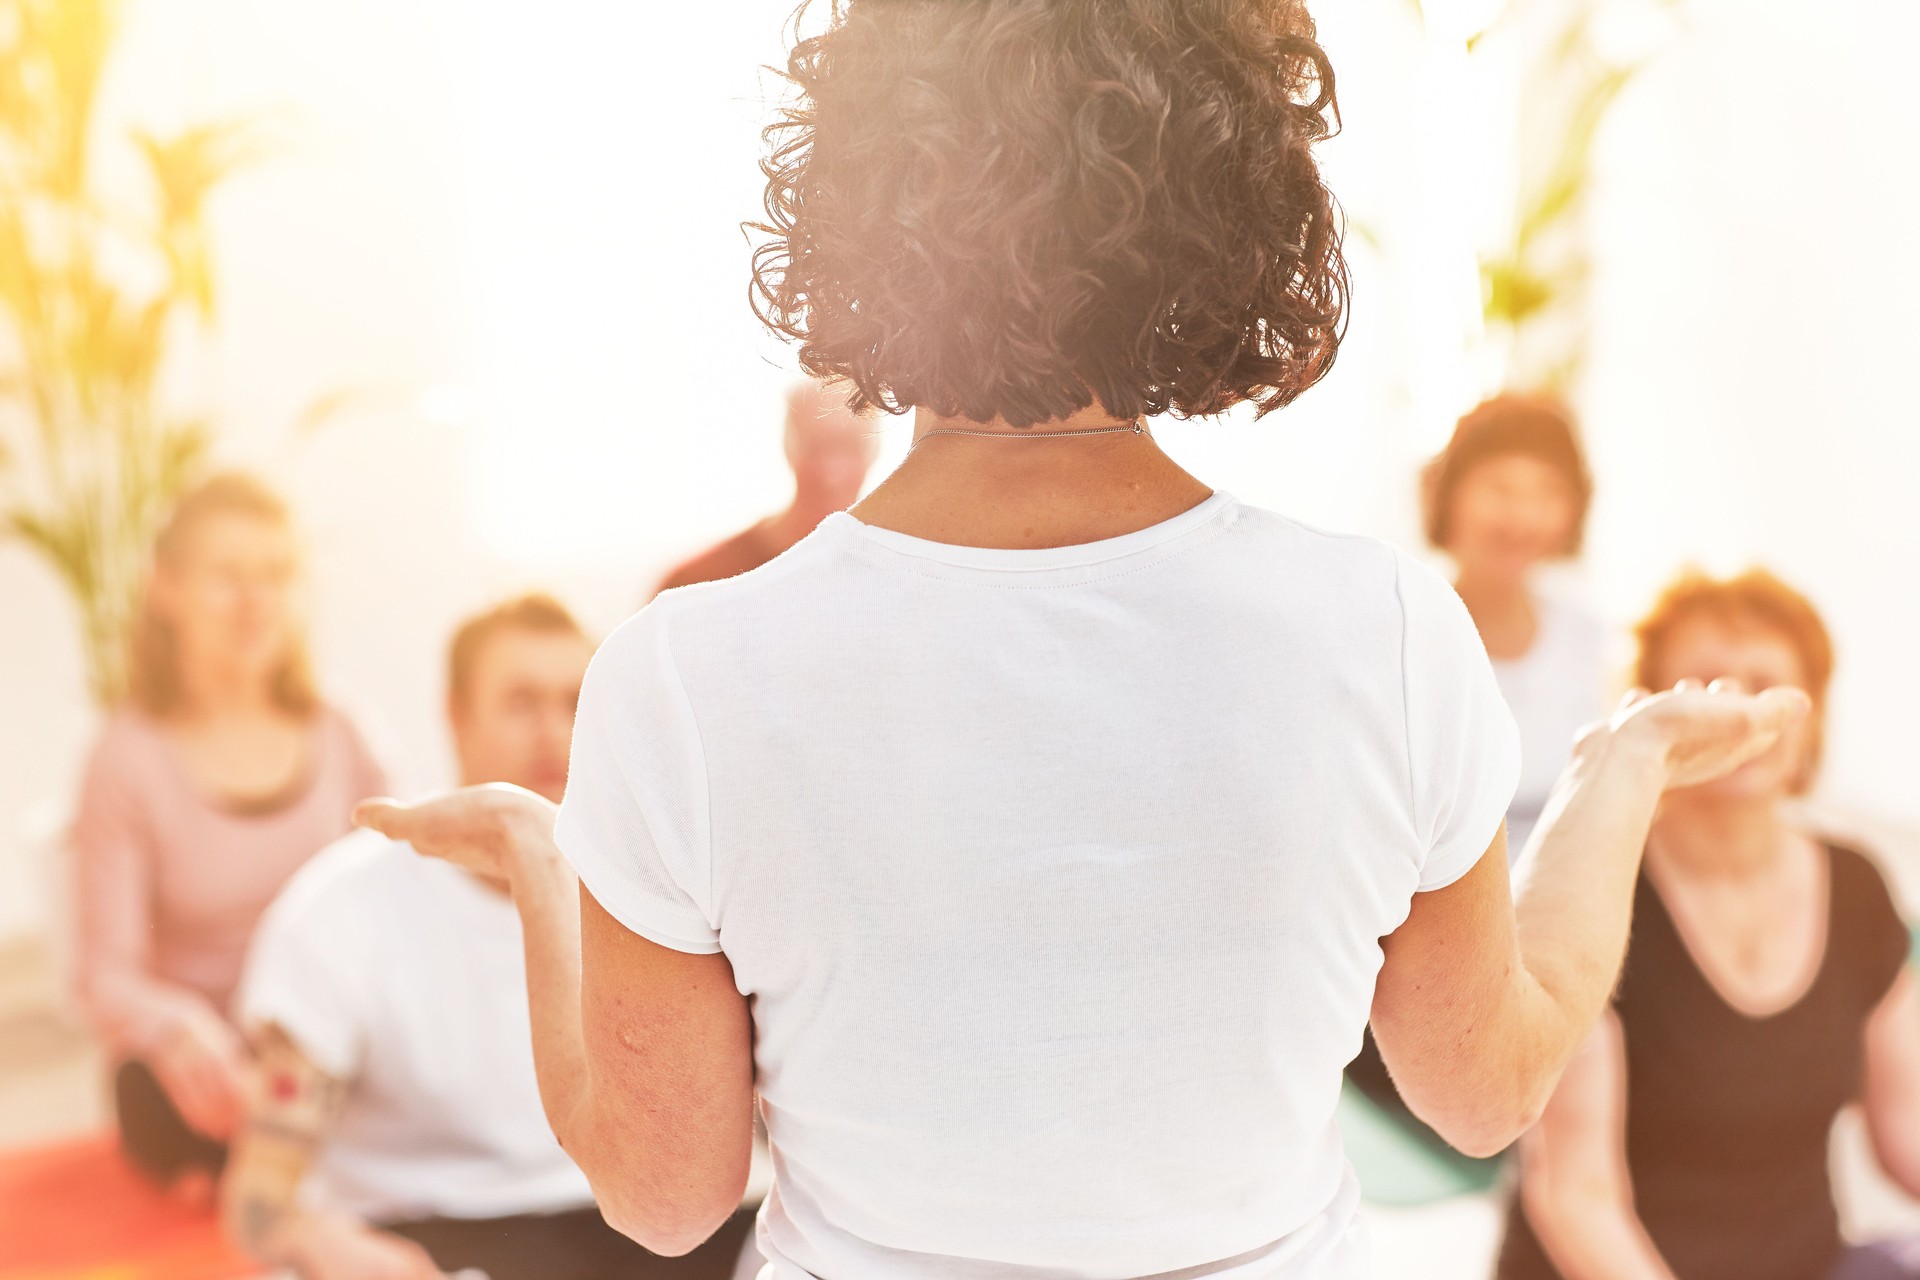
[1728,1116]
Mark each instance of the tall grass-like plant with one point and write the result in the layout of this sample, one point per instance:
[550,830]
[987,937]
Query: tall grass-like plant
[96,295]
[1534,284]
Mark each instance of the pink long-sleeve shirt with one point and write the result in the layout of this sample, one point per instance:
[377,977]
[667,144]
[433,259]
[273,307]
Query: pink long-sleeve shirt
[170,884]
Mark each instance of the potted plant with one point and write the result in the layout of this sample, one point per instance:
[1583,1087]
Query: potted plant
[98,295]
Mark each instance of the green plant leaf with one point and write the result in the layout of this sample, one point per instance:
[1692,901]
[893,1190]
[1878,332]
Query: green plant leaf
[186,169]
[60,541]
[87,338]
[183,452]
[1513,293]
[68,41]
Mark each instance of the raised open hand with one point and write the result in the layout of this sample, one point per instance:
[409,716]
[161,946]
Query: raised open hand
[1707,732]
[481,828]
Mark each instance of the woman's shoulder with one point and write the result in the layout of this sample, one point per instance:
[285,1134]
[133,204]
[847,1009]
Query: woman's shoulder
[1858,882]
[1342,571]
[126,777]
[1865,922]
[128,742]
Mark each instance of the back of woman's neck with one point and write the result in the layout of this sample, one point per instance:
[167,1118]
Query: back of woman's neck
[1029,492]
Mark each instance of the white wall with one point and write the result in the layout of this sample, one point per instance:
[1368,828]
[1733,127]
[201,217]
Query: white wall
[516,236]
[1756,337]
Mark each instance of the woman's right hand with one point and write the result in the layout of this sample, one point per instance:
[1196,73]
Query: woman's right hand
[1704,732]
[201,1063]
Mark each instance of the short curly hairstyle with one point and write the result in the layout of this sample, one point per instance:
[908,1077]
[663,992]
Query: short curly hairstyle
[1534,426]
[1014,209]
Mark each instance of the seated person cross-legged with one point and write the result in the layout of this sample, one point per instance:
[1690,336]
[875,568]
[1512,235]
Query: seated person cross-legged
[1765,984]
[218,779]
[395,1128]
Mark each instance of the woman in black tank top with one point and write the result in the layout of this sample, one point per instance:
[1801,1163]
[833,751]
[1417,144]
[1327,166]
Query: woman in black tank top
[1765,989]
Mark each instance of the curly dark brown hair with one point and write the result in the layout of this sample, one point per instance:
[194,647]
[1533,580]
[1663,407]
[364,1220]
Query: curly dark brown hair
[1013,208]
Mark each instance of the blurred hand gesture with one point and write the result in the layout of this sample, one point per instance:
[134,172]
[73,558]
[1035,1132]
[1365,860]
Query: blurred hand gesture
[486,829]
[1706,732]
[332,1248]
[201,1063]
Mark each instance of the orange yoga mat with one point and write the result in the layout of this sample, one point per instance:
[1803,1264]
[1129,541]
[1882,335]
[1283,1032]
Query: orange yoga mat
[76,1211]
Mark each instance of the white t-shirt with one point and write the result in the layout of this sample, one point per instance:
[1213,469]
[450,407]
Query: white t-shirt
[1555,689]
[1056,877]
[404,977]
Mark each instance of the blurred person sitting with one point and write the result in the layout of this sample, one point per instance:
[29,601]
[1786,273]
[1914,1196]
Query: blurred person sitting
[1509,494]
[223,774]
[386,999]
[830,448]
[1766,980]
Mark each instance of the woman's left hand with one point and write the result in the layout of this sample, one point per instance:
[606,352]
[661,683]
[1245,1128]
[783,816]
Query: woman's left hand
[490,830]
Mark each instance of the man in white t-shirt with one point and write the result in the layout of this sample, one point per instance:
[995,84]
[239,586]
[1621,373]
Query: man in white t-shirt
[396,1127]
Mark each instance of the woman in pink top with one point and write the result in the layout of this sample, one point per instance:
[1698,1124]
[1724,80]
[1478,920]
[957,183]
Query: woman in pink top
[221,777]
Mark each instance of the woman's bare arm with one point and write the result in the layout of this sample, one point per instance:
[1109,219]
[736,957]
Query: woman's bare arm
[644,1054]
[645,1060]
[1484,994]
[1893,1083]
[1574,1183]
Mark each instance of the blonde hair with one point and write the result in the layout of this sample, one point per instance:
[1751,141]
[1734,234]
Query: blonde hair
[154,668]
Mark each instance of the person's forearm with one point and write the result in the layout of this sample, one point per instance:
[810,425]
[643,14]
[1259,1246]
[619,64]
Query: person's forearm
[1893,1134]
[548,897]
[276,1231]
[1574,901]
[134,1012]
[259,1198]
[1598,1242]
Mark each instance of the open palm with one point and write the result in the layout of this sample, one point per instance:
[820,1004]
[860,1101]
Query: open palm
[478,828]
[1710,731]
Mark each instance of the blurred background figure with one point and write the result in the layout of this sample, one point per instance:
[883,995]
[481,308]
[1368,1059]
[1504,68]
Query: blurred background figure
[386,996]
[1508,494]
[222,776]
[830,448]
[1767,978]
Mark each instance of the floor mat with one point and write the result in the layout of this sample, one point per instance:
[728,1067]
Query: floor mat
[76,1211]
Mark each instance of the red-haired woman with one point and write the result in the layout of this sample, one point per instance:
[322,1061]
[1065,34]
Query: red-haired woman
[1024,838]
[1766,989]
[223,774]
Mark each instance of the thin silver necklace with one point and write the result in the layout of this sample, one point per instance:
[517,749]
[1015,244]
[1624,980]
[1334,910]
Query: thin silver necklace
[1135,427]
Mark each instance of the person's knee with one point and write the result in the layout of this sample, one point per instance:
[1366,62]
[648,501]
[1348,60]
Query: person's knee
[1881,1260]
[153,1136]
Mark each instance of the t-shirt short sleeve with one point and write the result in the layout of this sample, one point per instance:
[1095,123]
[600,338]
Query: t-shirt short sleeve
[309,966]
[1463,748]
[1869,925]
[634,820]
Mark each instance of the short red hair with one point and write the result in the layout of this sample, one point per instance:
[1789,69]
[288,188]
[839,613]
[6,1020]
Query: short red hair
[1754,600]
[1533,426]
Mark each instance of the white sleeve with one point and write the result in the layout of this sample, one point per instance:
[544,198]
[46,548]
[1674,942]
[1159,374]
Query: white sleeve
[634,821]
[304,974]
[1463,748]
